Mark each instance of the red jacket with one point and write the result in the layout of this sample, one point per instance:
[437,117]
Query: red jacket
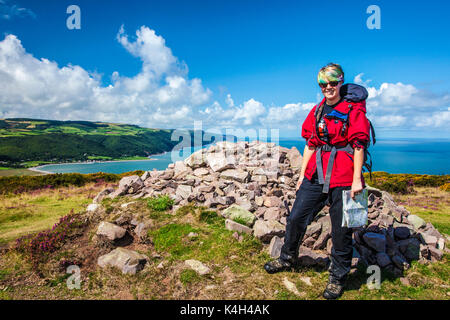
[356,134]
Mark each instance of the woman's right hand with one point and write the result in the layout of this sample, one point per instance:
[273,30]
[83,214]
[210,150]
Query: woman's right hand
[299,183]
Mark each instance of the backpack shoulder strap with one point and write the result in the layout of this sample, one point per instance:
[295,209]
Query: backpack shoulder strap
[372,130]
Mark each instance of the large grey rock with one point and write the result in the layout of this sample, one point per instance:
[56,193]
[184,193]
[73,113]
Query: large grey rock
[416,221]
[200,172]
[273,213]
[325,233]
[184,191]
[428,239]
[206,189]
[402,232]
[313,230]
[245,204]
[410,248]
[295,158]
[308,258]
[102,194]
[196,160]
[128,261]
[383,259]
[235,174]
[219,161]
[110,231]
[429,229]
[167,175]
[261,179]
[435,253]
[235,212]
[400,262]
[265,230]
[132,182]
[234,226]
[376,241]
[145,175]
[374,191]
[197,266]
[181,168]
[309,242]
[272,201]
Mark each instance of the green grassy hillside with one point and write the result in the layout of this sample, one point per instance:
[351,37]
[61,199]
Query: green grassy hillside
[23,140]
[235,262]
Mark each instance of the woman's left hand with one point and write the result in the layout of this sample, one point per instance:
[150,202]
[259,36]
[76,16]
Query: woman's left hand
[356,188]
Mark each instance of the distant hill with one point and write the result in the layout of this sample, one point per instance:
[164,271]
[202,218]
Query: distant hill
[23,139]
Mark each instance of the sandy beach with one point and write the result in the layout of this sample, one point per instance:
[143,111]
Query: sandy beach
[38,168]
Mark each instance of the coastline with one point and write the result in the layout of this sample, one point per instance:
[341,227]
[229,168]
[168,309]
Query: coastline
[38,168]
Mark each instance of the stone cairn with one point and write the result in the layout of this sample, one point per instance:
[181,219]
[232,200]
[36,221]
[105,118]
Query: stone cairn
[250,184]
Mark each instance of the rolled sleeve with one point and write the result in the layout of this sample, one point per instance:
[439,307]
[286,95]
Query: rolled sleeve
[359,129]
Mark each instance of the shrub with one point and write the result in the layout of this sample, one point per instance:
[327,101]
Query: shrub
[404,183]
[40,244]
[20,184]
[445,187]
[160,203]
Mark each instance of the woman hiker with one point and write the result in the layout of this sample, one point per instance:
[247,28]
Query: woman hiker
[336,132]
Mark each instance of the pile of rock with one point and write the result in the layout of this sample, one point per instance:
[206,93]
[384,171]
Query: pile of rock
[119,233]
[251,184]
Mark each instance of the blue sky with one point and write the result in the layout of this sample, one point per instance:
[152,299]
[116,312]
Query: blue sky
[231,64]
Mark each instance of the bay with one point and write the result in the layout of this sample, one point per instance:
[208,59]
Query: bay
[421,156]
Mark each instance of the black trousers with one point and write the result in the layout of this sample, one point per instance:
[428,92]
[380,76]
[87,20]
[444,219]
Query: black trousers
[309,200]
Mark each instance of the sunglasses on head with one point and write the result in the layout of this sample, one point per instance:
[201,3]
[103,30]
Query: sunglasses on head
[332,83]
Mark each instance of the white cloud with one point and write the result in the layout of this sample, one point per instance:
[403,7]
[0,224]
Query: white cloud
[287,113]
[436,119]
[404,106]
[250,112]
[358,80]
[9,10]
[160,94]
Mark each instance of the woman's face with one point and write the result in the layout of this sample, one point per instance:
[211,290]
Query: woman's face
[332,93]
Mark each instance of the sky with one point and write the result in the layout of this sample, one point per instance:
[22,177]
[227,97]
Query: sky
[242,65]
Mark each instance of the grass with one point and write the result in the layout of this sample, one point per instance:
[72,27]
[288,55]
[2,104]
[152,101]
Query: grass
[39,210]
[189,276]
[160,203]
[172,239]
[19,172]
[240,220]
[236,266]
[429,203]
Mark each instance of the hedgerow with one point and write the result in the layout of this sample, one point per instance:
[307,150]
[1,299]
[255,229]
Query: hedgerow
[19,184]
[404,183]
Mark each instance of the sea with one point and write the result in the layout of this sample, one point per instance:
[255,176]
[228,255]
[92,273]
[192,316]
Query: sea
[421,156]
